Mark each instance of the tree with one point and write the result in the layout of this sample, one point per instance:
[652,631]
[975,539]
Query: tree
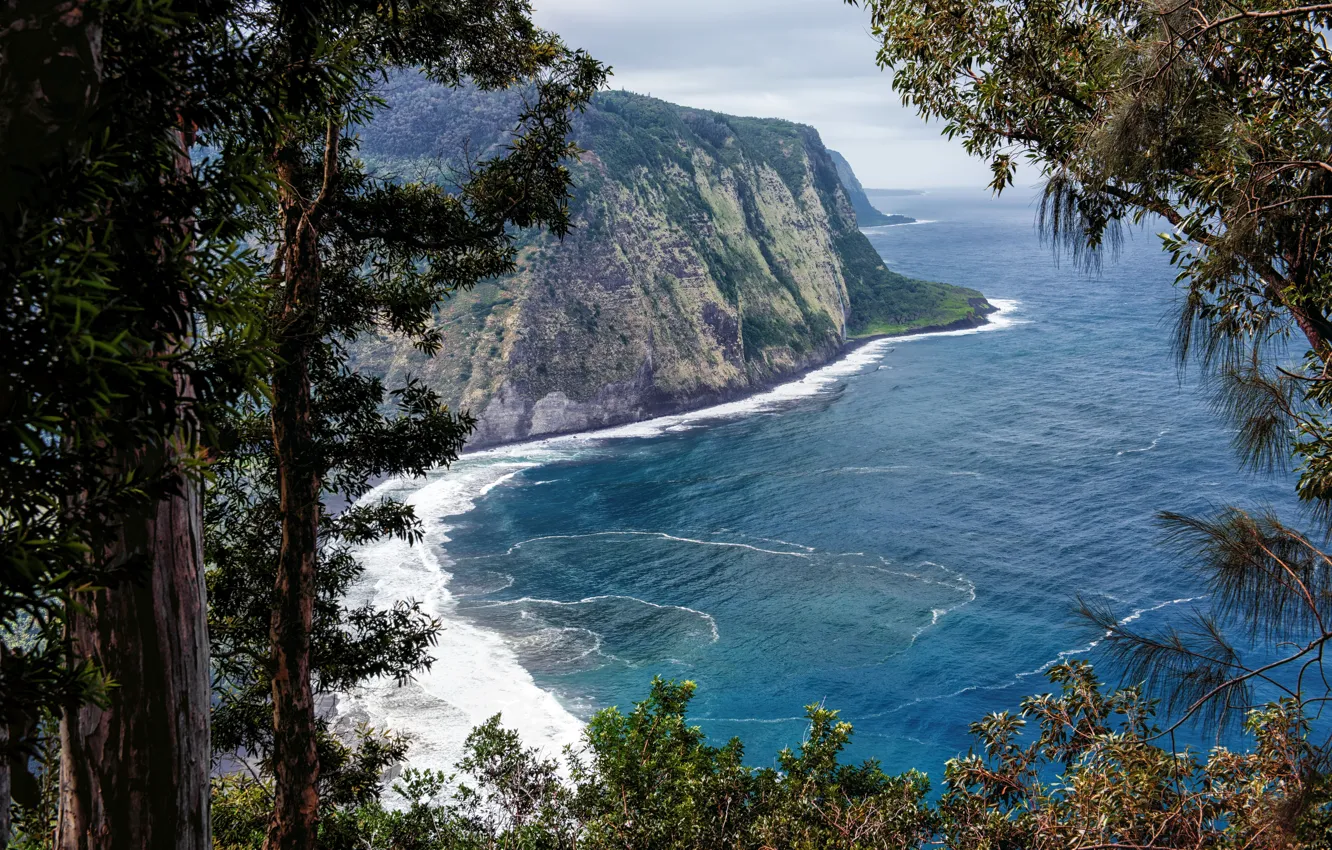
[1091,775]
[652,781]
[643,778]
[352,254]
[124,313]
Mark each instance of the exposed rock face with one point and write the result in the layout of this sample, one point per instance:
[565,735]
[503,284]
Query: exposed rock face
[712,256]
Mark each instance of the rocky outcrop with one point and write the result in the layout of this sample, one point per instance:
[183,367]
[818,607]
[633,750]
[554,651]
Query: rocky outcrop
[713,256]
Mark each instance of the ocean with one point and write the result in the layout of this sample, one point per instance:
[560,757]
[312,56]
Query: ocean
[900,536]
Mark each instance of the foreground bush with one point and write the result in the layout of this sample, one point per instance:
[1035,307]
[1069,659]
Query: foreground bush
[1081,768]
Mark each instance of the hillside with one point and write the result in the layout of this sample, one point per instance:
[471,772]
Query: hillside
[713,256]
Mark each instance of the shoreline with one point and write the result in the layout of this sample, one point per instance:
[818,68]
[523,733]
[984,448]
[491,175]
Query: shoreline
[722,398]
[980,320]
[478,672]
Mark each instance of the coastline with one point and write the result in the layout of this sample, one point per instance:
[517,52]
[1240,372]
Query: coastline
[984,310]
[722,398]
[477,673]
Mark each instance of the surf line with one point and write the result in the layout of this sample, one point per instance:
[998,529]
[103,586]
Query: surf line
[528,600]
[659,535]
[856,358]
[477,673]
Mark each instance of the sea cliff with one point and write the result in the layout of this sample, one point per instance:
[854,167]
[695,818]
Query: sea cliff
[867,215]
[712,257]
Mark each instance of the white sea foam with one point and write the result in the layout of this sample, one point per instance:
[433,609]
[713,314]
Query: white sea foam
[781,542]
[497,482]
[871,470]
[1137,451]
[1153,445]
[877,227]
[958,582]
[528,600]
[1134,615]
[660,535]
[476,672]
[555,642]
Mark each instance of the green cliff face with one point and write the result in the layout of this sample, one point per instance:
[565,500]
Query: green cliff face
[713,256]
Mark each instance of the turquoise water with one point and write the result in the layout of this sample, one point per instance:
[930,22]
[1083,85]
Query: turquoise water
[900,539]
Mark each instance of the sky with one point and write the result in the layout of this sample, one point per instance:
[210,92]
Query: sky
[810,61]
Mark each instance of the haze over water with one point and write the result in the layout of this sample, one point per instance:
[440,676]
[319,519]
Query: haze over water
[900,536]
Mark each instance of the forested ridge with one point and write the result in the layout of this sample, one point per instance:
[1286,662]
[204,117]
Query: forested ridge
[637,141]
[711,256]
[191,246]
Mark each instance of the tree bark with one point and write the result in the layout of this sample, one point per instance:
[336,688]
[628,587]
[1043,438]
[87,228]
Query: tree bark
[295,821]
[135,773]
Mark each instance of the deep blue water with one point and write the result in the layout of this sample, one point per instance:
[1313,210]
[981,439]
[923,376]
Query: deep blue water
[905,546]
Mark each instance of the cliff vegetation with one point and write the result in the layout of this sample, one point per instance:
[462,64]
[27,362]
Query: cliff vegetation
[711,256]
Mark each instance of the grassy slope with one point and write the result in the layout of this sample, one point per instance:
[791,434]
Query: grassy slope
[883,301]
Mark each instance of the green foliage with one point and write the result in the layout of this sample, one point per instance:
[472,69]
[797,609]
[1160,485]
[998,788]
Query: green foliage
[128,316]
[1119,788]
[643,779]
[127,279]
[241,808]
[763,331]
[651,781]
[352,252]
[1210,116]
[653,135]
[1207,114]
[1081,767]
[36,808]
[349,645]
[883,301]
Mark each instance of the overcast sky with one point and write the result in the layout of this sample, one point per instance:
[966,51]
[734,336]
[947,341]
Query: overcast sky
[810,61]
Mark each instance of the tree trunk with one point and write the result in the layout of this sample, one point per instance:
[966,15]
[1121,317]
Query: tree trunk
[135,774]
[295,820]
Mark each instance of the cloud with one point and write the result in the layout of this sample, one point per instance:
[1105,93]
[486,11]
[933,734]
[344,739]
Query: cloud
[810,61]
